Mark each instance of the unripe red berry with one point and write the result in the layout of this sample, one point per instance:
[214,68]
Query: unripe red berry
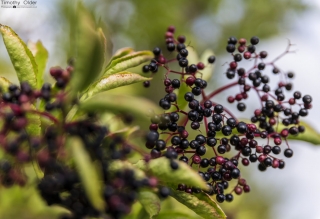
[247,55]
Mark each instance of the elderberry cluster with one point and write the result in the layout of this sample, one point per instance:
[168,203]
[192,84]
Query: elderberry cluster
[61,184]
[205,128]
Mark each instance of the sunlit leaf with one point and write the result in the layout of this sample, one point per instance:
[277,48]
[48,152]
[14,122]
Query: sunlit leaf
[89,51]
[200,203]
[150,202]
[40,54]
[88,173]
[113,81]
[105,102]
[128,61]
[184,174]
[21,57]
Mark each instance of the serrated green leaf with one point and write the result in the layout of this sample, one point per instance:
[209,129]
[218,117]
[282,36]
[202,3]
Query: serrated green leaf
[150,202]
[89,51]
[88,174]
[21,57]
[4,83]
[16,201]
[104,102]
[113,81]
[200,203]
[161,169]
[120,53]
[128,61]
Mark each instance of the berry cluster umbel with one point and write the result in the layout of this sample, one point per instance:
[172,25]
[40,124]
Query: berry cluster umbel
[48,150]
[223,133]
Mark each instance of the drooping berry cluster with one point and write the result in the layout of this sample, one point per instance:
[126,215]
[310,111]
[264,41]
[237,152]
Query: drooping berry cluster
[189,134]
[61,182]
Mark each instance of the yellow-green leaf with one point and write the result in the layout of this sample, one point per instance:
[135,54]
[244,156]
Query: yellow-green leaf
[208,70]
[309,135]
[21,57]
[104,102]
[4,83]
[113,81]
[176,215]
[89,49]
[121,165]
[200,203]
[161,169]
[128,61]
[40,54]
[150,202]
[34,123]
[88,173]
[120,53]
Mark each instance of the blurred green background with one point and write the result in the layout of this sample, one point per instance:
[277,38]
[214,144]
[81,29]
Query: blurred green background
[141,24]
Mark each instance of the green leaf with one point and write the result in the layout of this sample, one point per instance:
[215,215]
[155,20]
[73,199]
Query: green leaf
[90,45]
[21,57]
[103,102]
[40,54]
[200,203]
[161,169]
[309,135]
[175,215]
[26,203]
[4,83]
[88,174]
[121,165]
[128,61]
[209,69]
[150,202]
[34,123]
[120,53]
[113,81]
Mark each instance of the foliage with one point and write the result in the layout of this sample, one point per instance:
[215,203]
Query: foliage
[86,91]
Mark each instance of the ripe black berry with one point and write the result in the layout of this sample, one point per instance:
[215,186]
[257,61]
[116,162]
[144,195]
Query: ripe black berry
[254,40]
[211,59]
[241,107]
[288,152]
[201,150]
